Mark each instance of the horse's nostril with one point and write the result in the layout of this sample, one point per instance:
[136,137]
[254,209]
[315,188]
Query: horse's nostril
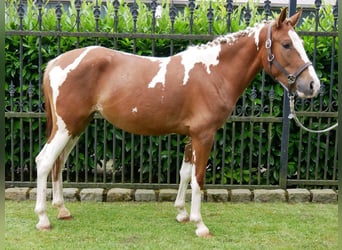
[312,85]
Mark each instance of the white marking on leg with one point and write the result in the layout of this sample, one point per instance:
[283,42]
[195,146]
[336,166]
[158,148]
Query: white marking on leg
[194,156]
[193,55]
[160,77]
[195,214]
[185,176]
[45,160]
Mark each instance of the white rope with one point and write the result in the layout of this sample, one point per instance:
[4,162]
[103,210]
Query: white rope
[294,116]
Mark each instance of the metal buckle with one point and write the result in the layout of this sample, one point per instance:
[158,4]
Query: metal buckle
[268,43]
[270,58]
[291,79]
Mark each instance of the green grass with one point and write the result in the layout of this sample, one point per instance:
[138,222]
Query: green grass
[153,226]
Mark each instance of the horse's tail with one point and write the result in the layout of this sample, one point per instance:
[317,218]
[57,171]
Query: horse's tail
[49,120]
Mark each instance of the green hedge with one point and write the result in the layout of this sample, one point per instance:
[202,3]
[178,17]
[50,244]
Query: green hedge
[244,140]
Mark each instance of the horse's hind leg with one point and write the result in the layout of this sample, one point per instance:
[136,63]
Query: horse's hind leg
[185,176]
[45,161]
[57,184]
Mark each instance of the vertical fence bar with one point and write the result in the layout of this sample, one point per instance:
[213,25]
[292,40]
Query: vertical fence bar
[286,124]
[12,93]
[123,158]
[21,79]
[242,138]
[210,16]
[169,159]
[132,148]
[141,159]
[154,5]
[30,91]
[134,12]
[97,13]
[229,8]
[178,159]
[251,138]
[78,5]
[104,156]
[159,159]
[192,6]
[223,160]
[269,137]
[232,163]
[116,5]
[172,14]
[150,160]
[59,13]
[114,154]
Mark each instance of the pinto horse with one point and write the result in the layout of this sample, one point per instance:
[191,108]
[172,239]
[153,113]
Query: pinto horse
[191,93]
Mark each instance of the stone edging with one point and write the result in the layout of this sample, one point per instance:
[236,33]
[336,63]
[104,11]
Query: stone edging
[210,195]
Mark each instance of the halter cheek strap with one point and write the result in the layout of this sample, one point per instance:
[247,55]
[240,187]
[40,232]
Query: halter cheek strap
[291,78]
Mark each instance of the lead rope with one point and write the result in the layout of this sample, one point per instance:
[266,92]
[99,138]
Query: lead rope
[294,116]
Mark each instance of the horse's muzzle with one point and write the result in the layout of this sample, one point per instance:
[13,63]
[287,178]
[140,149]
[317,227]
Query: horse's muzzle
[308,89]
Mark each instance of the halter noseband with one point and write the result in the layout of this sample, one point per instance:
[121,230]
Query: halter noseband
[291,78]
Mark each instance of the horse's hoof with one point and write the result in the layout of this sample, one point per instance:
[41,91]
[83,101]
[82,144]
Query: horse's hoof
[69,217]
[203,233]
[206,236]
[182,219]
[43,228]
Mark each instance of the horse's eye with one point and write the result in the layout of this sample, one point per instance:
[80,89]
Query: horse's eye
[286,46]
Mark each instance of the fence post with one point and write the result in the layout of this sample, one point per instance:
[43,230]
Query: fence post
[286,124]
[339,131]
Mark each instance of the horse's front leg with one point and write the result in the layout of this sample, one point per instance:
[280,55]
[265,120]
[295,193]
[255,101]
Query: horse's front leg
[200,153]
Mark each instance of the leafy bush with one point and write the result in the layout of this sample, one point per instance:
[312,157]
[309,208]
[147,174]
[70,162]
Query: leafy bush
[244,152]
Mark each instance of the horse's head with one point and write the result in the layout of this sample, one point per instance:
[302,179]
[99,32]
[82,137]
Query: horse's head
[287,61]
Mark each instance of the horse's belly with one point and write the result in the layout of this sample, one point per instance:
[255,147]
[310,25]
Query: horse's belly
[145,124]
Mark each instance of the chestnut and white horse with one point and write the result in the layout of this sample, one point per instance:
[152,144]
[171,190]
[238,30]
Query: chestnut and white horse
[191,93]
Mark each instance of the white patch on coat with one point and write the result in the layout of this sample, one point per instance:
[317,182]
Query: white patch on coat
[134,110]
[161,75]
[57,76]
[298,45]
[193,55]
[257,30]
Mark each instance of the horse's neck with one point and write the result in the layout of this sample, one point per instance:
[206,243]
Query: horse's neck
[241,61]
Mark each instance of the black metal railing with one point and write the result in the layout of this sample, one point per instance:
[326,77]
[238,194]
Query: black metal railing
[247,151]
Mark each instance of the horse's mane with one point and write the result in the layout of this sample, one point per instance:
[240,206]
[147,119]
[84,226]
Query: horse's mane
[230,38]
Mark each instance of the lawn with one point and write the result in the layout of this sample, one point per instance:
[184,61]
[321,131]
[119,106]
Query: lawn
[152,225]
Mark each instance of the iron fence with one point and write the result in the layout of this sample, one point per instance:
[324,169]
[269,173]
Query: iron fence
[248,150]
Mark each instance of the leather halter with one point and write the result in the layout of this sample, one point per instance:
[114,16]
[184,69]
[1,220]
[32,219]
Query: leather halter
[291,78]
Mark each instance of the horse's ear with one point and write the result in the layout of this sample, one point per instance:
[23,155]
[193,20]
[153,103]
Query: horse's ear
[293,20]
[282,17]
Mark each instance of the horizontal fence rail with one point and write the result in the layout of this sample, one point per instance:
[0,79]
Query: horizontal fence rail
[246,152]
